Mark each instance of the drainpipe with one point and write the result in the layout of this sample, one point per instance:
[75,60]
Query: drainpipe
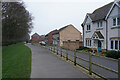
[106,35]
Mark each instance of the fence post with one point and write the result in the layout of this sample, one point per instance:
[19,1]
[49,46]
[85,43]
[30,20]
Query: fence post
[51,48]
[75,57]
[119,69]
[57,48]
[54,48]
[67,54]
[61,51]
[90,63]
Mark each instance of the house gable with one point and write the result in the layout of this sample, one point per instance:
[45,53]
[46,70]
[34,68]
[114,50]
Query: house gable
[87,19]
[113,10]
[97,35]
[70,33]
[71,29]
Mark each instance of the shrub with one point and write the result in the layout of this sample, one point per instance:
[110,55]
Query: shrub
[84,48]
[112,54]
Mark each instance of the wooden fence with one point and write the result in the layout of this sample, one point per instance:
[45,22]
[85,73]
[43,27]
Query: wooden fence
[59,51]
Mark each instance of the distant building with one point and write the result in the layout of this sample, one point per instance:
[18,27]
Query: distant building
[101,28]
[42,37]
[49,37]
[67,36]
[35,38]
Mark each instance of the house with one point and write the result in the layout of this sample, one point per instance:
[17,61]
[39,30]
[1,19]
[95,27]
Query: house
[68,33]
[35,38]
[49,37]
[101,29]
[42,37]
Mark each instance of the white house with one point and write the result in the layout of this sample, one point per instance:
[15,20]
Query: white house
[101,29]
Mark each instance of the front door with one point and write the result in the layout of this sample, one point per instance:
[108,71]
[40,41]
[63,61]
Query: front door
[99,46]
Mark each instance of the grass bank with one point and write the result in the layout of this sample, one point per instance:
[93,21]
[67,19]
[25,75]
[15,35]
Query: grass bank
[16,61]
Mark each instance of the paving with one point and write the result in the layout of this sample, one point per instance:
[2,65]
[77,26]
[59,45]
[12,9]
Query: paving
[48,65]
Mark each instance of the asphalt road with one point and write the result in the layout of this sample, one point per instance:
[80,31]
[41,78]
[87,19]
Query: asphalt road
[111,64]
[47,65]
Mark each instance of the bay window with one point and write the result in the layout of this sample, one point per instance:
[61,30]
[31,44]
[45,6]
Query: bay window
[111,44]
[115,44]
[88,42]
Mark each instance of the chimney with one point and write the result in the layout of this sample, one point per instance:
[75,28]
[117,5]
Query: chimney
[116,0]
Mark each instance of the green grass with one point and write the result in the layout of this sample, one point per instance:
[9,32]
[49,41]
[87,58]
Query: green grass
[0,62]
[16,61]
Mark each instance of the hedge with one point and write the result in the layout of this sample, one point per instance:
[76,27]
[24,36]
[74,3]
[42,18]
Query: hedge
[112,54]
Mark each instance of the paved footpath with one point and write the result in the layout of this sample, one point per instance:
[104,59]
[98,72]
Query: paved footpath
[47,65]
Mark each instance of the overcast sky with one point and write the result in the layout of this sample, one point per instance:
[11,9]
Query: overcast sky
[54,14]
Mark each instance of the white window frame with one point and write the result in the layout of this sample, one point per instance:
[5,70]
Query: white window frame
[89,27]
[116,22]
[99,24]
[114,44]
[88,43]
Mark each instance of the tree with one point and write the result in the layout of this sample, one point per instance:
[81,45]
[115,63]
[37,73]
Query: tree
[16,22]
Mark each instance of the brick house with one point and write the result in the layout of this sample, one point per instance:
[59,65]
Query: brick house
[48,37]
[67,35]
[35,38]
[102,27]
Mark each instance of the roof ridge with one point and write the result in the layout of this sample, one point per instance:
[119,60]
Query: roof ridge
[102,7]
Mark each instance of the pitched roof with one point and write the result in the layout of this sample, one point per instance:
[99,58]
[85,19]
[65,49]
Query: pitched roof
[57,32]
[99,34]
[100,13]
[50,32]
[35,35]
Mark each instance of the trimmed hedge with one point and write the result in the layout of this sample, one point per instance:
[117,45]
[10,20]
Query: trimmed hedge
[112,54]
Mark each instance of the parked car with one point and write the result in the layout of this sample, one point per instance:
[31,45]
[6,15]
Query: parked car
[43,43]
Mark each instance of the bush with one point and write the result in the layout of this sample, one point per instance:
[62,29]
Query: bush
[112,54]
[84,48]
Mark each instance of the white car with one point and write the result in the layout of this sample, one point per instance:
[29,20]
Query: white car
[42,43]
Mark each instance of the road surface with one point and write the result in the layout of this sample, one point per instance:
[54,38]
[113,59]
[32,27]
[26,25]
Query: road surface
[111,64]
[47,65]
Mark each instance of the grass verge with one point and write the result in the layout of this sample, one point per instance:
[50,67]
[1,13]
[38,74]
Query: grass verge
[16,61]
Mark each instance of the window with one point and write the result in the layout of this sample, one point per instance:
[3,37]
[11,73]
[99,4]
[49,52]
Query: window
[115,44]
[119,44]
[88,42]
[111,44]
[99,24]
[88,27]
[116,21]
